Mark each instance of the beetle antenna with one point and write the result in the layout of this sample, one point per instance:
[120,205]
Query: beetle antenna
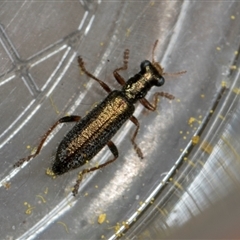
[157,64]
[174,74]
[153,50]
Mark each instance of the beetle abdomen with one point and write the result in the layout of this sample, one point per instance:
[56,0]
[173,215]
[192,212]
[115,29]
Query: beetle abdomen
[92,133]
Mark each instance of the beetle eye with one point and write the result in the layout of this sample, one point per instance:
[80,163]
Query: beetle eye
[160,81]
[144,64]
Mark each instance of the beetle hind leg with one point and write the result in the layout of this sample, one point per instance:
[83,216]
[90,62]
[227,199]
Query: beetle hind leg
[72,118]
[114,151]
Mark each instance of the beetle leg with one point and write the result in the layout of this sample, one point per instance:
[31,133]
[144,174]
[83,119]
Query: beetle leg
[72,118]
[114,151]
[117,76]
[103,85]
[153,106]
[137,149]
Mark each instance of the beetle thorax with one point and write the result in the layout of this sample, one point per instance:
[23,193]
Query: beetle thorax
[137,87]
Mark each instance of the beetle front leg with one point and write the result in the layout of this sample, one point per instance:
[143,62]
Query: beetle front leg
[153,106]
[102,84]
[117,76]
[114,151]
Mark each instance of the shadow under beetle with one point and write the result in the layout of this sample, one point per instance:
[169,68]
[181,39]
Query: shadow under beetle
[96,129]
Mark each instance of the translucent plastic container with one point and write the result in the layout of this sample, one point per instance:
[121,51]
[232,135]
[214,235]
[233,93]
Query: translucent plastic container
[179,181]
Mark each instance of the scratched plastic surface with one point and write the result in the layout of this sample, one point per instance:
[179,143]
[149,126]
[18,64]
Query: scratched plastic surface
[40,82]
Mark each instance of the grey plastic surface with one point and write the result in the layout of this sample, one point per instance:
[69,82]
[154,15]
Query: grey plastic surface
[40,82]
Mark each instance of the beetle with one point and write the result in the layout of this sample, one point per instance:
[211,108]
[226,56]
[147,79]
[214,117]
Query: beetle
[95,130]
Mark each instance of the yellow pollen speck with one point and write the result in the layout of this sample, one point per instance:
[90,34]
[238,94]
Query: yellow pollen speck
[65,226]
[207,147]
[152,3]
[29,208]
[221,117]
[233,67]
[224,84]
[42,198]
[128,32]
[46,190]
[102,218]
[236,90]
[49,172]
[195,140]
[191,120]
[7,185]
